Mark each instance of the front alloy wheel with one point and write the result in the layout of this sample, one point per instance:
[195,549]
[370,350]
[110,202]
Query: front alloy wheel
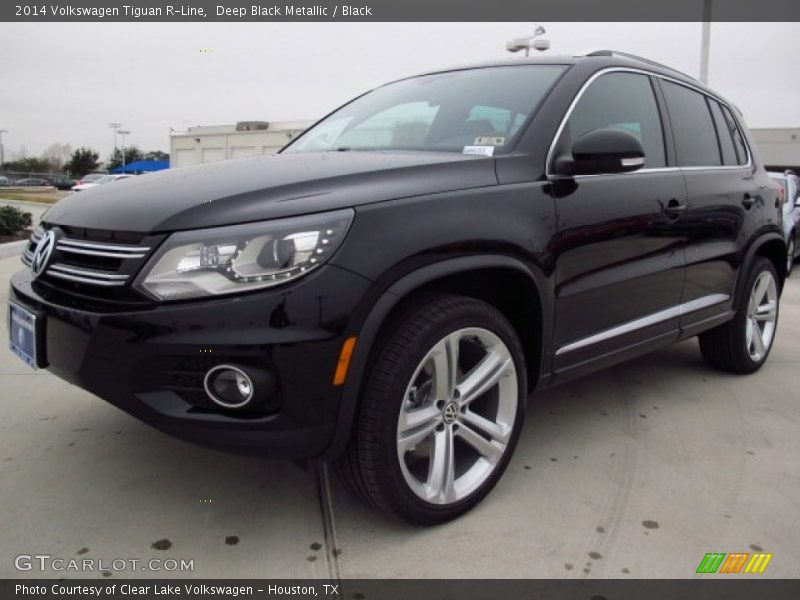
[457,416]
[441,410]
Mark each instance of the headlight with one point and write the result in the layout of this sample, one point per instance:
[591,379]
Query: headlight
[227,260]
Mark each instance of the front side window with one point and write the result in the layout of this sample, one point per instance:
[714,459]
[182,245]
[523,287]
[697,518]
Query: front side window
[620,101]
[443,112]
[693,126]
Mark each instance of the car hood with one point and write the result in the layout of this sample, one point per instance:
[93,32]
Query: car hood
[267,187]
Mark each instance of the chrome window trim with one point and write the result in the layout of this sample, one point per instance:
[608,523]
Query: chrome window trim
[646,321]
[600,73]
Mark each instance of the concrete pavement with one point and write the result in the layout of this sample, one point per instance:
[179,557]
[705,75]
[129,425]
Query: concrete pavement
[637,471]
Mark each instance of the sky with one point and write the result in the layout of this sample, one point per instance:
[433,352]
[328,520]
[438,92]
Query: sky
[65,82]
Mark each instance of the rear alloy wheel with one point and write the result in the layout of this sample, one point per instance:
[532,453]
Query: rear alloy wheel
[743,344]
[442,410]
[790,256]
[762,316]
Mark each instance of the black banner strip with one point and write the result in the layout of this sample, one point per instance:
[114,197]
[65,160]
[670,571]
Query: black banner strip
[712,587]
[401,11]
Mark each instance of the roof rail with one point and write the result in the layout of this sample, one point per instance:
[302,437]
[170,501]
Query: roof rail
[635,57]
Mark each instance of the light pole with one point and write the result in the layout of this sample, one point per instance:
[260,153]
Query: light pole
[123,133]
[526,43]
[2,150]
[705,41]
[114,127]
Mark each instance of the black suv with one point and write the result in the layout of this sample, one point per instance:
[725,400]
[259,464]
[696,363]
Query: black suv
[388,290]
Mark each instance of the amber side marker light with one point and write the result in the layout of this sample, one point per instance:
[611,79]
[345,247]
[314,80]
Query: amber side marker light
[344,361]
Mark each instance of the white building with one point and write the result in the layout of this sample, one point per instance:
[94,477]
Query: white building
[779,147]
[204,144]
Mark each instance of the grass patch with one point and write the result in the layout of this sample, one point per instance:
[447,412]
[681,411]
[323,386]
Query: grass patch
[40,197]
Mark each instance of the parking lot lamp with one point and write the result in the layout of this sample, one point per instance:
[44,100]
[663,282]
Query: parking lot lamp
[2,151]
[526,43]
[114,127]
[123,133]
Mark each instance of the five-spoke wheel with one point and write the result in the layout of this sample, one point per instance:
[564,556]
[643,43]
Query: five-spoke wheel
[441,412]
[457,415]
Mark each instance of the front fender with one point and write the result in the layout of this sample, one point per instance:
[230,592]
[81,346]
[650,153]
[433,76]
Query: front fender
[368,331]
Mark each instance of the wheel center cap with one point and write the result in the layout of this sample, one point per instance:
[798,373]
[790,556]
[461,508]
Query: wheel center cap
[450,412]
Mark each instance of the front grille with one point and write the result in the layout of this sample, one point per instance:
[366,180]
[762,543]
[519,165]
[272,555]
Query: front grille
[94,263]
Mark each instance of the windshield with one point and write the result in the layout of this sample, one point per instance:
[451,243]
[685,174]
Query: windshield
[475,111]
[106,179]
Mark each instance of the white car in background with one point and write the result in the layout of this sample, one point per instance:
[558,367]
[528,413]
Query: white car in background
[101,181]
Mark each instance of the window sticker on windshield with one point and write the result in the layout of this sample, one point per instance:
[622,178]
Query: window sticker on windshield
[481,150]
[491,140]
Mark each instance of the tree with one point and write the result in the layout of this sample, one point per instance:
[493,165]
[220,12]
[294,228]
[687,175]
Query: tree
[156,155]
[83,160]
[132,154]
[28,165]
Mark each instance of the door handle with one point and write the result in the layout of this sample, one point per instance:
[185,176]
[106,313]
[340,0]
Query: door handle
[748,201]
[674,209]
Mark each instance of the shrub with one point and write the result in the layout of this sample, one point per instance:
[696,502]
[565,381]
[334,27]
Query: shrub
[13,220]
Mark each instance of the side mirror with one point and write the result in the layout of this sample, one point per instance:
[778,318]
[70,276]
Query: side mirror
[602,151]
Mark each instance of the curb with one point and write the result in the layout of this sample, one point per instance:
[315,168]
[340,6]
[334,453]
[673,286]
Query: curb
[12,248]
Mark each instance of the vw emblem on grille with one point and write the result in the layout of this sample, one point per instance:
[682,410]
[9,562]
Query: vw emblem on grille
[450,412]
[43,252]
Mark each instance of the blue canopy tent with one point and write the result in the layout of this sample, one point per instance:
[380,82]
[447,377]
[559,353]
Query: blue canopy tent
[142,166]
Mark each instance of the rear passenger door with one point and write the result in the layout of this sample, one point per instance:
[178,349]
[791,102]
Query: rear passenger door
[721,192]
[619,268]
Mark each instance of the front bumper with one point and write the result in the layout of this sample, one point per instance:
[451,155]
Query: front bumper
[146,360]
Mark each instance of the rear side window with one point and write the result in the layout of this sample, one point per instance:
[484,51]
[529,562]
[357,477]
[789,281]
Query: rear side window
[729,155]
[692,124]
[736,134]
[621,101]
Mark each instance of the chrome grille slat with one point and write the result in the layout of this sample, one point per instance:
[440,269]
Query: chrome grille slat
[78,279]
[75,250]
[100,275]
[118,250]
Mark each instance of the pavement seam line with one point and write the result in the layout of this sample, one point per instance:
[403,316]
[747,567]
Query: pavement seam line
[328,520]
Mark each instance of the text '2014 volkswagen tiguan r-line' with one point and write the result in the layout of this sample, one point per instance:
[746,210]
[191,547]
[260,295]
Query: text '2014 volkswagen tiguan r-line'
[388,291]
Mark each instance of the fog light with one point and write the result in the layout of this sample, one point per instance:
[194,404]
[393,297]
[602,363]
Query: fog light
[229,386]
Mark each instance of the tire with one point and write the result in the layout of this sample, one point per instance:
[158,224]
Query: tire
[790,255]
[734,346]
[399,468]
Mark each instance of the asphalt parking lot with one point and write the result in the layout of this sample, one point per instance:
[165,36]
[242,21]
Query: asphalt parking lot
[637,471]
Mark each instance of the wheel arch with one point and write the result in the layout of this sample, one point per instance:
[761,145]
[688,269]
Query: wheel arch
[517,293]
[771,246]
